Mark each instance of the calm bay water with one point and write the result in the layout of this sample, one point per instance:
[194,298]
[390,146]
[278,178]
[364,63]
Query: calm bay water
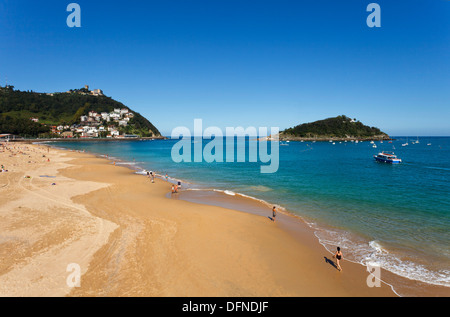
[394,215]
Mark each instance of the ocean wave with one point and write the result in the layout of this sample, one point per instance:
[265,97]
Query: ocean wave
[360,251]
[357,250]
[126,163]
[232,193]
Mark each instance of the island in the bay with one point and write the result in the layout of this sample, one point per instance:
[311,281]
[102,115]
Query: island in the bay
[340,128]
[77,113]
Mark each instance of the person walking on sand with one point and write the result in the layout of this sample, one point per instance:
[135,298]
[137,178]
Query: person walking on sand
[274,213]
[338,255]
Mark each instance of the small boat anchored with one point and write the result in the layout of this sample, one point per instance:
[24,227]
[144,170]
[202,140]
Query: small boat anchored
[387,157]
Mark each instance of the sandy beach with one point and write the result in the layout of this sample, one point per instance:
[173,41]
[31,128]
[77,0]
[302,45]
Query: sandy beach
[131,239]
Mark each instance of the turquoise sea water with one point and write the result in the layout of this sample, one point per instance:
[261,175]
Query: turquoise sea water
[394,215]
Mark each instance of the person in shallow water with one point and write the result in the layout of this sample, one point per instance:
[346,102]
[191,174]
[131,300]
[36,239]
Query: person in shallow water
[338,255]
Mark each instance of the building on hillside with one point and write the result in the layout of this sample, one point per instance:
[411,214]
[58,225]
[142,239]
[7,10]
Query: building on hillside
[9,137]
[97,92]
[67,134]
[89,134]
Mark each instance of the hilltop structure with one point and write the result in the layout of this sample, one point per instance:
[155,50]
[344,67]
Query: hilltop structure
[78,113]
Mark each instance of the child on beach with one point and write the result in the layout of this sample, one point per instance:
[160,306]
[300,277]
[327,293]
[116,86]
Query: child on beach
[338,255]
[274,213]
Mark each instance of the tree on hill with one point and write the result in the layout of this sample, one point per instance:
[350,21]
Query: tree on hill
[63,108]
[340,127]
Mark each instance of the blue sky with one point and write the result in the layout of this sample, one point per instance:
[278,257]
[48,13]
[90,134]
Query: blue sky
[241,63]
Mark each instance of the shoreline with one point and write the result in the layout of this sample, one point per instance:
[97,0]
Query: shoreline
[401,285]
[292,222]
[296,275]
[289,137]
[37,141]
[383,291]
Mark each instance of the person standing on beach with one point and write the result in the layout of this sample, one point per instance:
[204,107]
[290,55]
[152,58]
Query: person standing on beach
[338,255]
[274,213]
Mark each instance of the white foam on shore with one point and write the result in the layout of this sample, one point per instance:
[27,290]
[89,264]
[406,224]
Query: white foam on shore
[232,193]
[364,252]
[357,250]
[126,163]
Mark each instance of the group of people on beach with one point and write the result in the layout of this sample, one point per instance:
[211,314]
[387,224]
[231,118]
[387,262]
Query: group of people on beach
[175,187]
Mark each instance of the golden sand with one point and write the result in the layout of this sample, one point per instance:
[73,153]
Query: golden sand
[130,239]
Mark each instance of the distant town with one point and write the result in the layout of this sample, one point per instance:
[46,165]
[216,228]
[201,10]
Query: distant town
[95,125]
[75,114]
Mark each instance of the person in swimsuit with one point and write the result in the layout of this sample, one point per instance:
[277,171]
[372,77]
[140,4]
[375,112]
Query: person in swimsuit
[338,255]
[274,213]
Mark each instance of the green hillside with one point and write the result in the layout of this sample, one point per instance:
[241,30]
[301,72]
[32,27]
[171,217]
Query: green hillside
[60,109]
[337,127]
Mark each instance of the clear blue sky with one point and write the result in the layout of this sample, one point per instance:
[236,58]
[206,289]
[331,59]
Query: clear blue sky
[241,63]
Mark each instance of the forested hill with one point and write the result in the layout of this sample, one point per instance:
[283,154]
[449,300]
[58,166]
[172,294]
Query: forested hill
[60,109]
[340,127]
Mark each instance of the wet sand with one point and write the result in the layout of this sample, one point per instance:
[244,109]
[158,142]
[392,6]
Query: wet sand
[130,239]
